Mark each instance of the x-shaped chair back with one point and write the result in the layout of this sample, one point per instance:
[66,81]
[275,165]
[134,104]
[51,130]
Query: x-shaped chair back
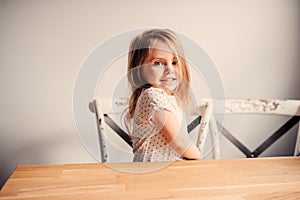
[105,108]
[263,107]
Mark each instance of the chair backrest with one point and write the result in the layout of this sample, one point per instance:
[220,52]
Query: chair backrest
[104,108]
[263,107]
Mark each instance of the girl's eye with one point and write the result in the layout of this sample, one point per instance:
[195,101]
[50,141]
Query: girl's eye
[158,63]
[174,62]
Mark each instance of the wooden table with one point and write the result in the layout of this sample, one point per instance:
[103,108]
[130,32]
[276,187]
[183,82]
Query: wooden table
[255,178]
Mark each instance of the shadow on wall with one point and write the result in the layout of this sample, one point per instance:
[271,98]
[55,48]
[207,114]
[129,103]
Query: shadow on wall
[34,152]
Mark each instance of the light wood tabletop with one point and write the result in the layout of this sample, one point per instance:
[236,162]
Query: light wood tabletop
[248,178]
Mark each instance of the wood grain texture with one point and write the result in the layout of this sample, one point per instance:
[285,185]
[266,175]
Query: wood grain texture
[242,179]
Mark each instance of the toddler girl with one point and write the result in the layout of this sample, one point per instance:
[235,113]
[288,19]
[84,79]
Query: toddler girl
[159,79]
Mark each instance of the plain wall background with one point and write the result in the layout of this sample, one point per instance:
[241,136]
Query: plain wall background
[254,45]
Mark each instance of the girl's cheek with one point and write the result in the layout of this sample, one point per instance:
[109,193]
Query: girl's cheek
[156,70]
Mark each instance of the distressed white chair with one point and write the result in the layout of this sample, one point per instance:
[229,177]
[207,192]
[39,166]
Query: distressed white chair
[262,107]
[105,108]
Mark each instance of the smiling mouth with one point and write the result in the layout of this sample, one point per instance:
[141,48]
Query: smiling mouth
[168,80]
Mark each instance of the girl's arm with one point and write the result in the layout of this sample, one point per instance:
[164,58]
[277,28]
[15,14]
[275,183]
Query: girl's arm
[170,127]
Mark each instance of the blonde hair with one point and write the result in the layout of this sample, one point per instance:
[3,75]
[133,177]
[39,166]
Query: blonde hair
[140,50]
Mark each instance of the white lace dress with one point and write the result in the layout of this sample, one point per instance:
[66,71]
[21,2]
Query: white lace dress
[149,144]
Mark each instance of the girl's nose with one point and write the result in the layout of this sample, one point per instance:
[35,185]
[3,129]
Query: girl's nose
[169,68]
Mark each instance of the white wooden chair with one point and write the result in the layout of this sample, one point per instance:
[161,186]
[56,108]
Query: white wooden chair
[262,107]
[105,108]
[206,110]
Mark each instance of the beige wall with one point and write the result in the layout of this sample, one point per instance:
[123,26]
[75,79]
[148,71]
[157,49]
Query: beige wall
[254,44]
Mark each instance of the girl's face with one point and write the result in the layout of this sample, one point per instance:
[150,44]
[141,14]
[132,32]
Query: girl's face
[161,68]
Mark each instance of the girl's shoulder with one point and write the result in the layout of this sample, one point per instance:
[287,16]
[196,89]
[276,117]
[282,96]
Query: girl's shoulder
[157,97]
[154,93]
[154,90]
